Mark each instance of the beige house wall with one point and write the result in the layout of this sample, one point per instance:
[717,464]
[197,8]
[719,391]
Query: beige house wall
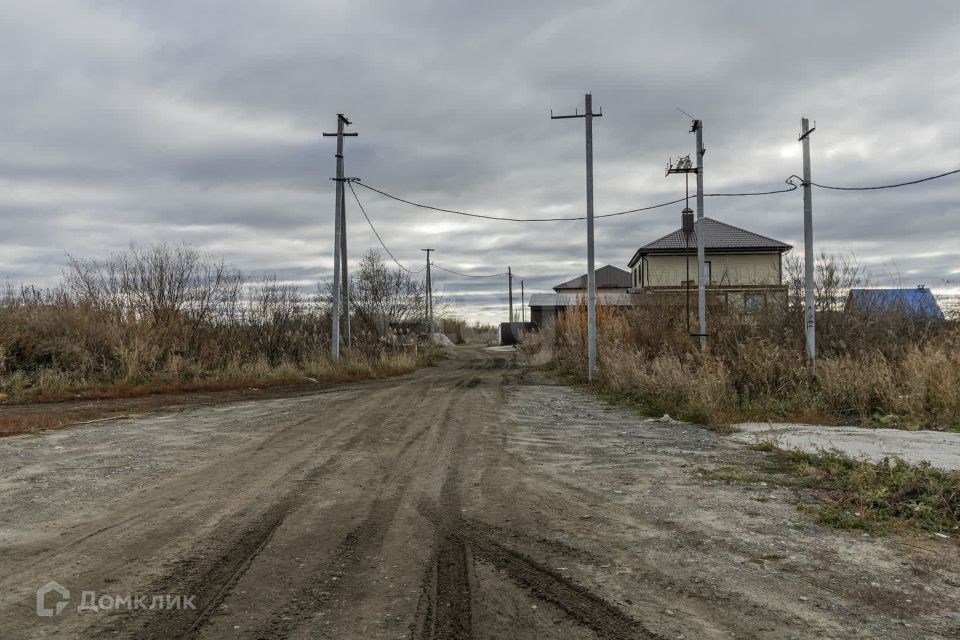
[726,269]
[583,291]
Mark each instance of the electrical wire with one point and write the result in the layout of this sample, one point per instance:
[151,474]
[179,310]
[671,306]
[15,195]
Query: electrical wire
[793,187]
[385,248]
[887,186]
[374,229]
[461,213]
[789,181]
[467,275]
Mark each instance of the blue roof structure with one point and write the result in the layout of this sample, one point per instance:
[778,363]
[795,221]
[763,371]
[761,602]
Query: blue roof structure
[919,301]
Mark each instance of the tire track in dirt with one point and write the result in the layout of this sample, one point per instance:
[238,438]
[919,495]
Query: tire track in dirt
[445,607]
[579,603]
[446,602]
[210,577]
[327,583]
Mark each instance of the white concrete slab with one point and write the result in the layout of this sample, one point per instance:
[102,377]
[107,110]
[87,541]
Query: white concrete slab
[939,448]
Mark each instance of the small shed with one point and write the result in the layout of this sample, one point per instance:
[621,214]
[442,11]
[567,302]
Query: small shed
[509,333]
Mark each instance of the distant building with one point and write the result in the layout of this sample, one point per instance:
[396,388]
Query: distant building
[613,289]
[918,302]
[610,279]
[741,266]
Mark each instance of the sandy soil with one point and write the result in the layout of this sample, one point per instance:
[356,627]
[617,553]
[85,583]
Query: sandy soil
[939,448]
[469,500]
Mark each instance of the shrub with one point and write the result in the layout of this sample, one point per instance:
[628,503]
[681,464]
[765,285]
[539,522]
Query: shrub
[172,315]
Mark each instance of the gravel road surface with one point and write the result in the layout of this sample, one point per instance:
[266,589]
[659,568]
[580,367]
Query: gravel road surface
[475,499]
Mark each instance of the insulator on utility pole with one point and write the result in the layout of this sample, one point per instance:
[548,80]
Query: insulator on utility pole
[339,245]
[588,115]
[809,292]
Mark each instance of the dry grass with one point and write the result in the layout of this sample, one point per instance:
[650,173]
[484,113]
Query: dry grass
[162,319]
[847,493]
[907,379]
[260,375]
[41,411]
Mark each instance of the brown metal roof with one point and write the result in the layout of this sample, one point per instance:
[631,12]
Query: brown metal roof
[608,276]
[718,236]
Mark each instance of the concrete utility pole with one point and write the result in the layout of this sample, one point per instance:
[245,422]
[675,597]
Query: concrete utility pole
[701,240]
[808,258]
[588,117]
[429,293]
[338,230]
[523,309]
[510,292]
[343,261]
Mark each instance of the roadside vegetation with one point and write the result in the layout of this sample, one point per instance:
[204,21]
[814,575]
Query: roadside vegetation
[880,368]
[843,492]
[166,318]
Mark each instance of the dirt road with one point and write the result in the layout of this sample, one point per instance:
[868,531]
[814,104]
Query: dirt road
[470,500]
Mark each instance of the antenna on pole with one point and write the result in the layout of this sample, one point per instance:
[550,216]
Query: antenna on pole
[685,166]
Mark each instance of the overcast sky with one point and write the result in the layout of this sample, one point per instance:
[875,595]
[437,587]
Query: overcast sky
[201,122]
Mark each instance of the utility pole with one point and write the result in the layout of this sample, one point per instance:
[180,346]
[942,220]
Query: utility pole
[337,231]
[808,258]
[523,309]
[343,261]
[588,117]
[701,240]
[510,291]
[429,294]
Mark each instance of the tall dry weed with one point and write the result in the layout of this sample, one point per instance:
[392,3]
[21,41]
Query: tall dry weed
[896,370]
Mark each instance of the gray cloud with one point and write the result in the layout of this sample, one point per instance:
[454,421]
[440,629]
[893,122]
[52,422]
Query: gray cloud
[201,122]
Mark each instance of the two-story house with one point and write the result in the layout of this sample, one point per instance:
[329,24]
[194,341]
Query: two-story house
[741,266]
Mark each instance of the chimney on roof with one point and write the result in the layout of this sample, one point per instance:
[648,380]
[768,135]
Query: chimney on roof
[686,220]
[921,287]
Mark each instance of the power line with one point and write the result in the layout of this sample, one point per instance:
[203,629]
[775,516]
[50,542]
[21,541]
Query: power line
[462,213]
[374,229]
[789,181]
[887,186]
[792,187]
[387,249]
[467,275]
